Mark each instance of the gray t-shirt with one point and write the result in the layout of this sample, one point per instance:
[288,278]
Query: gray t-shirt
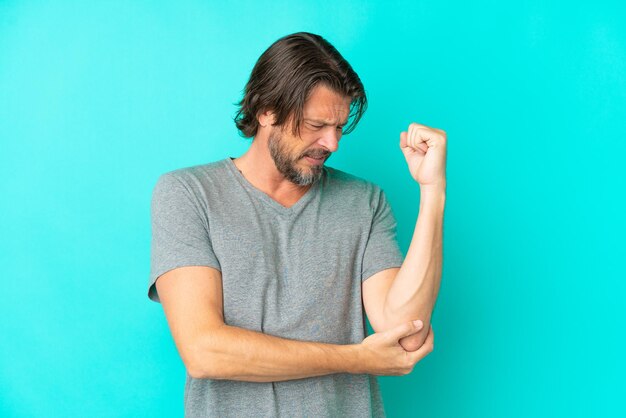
[290,272]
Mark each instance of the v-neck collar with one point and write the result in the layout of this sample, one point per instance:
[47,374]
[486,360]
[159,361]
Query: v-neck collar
[264,197]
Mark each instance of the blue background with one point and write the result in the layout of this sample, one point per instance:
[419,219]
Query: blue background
[99,98]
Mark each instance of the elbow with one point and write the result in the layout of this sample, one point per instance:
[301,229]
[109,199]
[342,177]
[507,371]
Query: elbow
[411,342]
[414,341]
[196,373]
[199,360]
[199,368]
[199,371]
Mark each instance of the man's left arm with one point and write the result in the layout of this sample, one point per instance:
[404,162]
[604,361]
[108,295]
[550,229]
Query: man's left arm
[407,293]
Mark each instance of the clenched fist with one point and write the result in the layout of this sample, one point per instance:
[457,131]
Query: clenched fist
[425,151]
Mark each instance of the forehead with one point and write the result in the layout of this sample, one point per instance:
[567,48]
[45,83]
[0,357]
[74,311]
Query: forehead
[327,105]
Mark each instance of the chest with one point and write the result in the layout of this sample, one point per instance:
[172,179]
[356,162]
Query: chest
[281,272]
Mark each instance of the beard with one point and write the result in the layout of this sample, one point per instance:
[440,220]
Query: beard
[286,164]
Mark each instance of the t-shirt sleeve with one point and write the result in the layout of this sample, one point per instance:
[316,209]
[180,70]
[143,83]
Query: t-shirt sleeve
[180,231]
[382,250]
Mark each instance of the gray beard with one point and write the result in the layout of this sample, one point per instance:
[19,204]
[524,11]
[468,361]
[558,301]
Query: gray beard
[287,167]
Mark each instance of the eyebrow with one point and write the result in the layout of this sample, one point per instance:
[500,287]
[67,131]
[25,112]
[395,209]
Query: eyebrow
[323,122]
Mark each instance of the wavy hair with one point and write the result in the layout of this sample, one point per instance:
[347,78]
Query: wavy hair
[284,76]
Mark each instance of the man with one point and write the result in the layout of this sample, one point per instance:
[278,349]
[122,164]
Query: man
[264,264]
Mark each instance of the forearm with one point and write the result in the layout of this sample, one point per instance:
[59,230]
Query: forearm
[414,290]
[235,353]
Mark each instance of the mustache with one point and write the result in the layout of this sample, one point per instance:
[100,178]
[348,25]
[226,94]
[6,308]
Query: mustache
[318,155]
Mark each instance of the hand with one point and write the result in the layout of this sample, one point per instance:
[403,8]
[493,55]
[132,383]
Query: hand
[425,151]
[383,354]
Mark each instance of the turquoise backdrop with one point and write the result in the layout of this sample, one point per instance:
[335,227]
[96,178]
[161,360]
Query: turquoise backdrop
[99,98]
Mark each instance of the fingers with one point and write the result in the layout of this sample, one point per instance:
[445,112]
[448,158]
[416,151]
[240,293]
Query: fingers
[403,143]
[425,349]
[406,329]
[421,127]
[421,137]
[418,137]
[408,145]
[412,140]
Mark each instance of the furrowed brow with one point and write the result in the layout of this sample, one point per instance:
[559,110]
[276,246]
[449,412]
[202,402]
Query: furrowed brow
[323,122]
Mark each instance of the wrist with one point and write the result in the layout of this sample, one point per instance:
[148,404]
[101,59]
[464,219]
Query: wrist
[433,196]
[354,359]
[435,188]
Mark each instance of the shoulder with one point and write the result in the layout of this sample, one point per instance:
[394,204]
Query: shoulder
[191,182]
[194,174]
[350,186]
[192,178]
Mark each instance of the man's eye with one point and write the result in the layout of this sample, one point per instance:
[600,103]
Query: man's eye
[317,126]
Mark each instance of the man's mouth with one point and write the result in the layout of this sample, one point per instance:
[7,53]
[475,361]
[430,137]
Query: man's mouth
[315,160]
[317,156]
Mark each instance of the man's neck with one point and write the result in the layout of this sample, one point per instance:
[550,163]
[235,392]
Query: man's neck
[258,167]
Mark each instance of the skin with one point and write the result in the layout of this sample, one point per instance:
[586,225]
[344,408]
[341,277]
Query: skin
[396,295]
[192,296]
[275,162]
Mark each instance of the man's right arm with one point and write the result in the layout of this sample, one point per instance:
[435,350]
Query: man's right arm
[192,301]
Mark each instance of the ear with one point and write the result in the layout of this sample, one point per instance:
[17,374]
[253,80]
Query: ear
[266,118]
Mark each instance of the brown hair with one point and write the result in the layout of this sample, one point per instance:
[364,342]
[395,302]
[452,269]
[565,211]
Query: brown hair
[285,74]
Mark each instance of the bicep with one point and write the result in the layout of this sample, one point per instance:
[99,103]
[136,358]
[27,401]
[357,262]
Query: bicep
[192,301]
[374,290]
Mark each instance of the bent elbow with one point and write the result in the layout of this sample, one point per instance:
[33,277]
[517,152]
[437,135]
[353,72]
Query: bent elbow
[414,341]
[199,361]
[197,370]
[200,373]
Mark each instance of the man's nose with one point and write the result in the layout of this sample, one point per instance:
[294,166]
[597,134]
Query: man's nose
[330,139]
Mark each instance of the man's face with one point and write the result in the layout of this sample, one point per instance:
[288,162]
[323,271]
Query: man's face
[300,159]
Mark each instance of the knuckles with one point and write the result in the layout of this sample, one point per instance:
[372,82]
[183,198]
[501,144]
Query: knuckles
[440,132]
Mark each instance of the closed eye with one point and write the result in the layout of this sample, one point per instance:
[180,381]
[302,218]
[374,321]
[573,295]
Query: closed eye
[316,127]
